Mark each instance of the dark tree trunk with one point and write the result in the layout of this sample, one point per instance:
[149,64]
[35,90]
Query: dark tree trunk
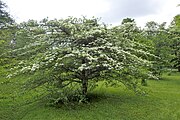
[179,69]
[84,79]
[84,87]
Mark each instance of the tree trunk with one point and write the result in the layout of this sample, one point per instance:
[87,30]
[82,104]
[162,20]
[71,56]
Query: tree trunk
[84,87]
[178,68]
[84,80]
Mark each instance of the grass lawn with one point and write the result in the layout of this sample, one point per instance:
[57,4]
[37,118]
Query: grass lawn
[161,103]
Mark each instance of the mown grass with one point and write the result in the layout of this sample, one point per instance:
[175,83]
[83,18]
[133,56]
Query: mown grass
[161,103]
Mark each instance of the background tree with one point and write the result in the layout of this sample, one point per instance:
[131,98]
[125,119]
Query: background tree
[128,20]
[160,39]
[7,32]
[139,44]
[4,15]
[175,33]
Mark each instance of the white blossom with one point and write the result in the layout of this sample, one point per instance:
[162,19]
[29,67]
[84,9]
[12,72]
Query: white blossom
[35,67]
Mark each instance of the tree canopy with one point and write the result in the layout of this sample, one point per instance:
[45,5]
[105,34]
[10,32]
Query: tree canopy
[76,53]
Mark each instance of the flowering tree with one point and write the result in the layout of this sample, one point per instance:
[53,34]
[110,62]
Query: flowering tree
[73,54]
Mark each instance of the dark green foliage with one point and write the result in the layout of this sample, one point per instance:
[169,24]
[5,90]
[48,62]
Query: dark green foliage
[126,20]
[175,44]
[7,32]
[4,15]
